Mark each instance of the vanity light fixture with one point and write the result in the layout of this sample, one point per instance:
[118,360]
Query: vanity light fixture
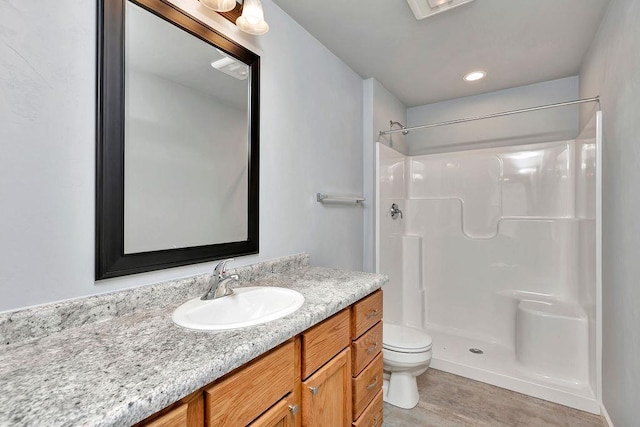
[475,75]
[252,19]
[248,15]
[219,5]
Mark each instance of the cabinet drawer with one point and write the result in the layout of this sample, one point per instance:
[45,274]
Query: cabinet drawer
[176,417]
[366,313]
[242,395]
[365,348]
[188,412]
[372,415]
[323,341]
[367,385]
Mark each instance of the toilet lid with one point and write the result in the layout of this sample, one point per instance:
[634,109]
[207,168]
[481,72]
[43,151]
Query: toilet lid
[404,339]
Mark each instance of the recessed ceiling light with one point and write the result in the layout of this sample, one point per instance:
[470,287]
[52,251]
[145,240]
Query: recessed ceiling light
[475,75]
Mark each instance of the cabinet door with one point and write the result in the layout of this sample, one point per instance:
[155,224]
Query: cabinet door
[326,395]
[282,414]
[243,395]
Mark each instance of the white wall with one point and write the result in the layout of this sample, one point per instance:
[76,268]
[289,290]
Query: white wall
[379,107]
[540,126]
[391,259]
[311,140]
[612,70]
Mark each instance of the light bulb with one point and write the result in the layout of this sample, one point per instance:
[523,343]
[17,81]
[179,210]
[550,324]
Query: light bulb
[475,75]
[219,5]
[252,19]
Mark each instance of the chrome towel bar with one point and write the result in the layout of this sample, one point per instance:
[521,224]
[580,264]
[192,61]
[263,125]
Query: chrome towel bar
[345,200]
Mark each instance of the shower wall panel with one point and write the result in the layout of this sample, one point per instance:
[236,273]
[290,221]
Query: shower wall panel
[473,179]
[473,285]
[496,250]
[538,182]
[391,189]
[586,166]
[498,226]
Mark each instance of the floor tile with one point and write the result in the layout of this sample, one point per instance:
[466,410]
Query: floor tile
[448,400]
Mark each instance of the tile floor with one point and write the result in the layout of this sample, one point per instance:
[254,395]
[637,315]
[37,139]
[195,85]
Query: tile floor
[452,401]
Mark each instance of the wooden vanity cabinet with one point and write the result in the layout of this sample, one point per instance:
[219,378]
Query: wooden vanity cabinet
[241,396]
[174,417]
[373,414]
[329,375]
[326,373]
[282,414]
[323,341]
[367,367]
[326,395]
[188,412]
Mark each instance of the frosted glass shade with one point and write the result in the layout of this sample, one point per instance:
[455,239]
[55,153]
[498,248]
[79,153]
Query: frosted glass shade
[252,19]
[219,5]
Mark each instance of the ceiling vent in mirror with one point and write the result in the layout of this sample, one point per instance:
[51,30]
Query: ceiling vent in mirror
[426,8]
[230,66]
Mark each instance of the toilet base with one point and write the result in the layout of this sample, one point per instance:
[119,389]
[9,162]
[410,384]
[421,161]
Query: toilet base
[400,389]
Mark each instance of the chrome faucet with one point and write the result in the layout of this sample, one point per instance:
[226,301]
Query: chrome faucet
[221,282]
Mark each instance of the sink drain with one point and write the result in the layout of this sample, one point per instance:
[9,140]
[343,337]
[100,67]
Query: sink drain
[476,351]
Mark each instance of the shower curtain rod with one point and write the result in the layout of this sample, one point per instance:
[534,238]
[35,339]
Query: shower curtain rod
[489,116]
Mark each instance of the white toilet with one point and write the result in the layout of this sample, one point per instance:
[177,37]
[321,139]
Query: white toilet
[406,353]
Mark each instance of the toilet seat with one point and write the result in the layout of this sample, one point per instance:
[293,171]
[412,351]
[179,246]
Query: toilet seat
[403,339]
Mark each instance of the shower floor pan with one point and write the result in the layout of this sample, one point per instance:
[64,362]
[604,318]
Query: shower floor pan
[498,365]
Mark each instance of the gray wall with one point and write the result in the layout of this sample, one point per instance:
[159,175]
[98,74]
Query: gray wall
[540,126]
[612,70]
[311,140]
[172,160]
[379,107]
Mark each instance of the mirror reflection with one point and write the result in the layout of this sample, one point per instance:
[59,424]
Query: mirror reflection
[186,139]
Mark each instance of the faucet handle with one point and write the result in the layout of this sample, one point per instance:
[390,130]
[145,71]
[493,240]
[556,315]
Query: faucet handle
[395,211]
[221,268]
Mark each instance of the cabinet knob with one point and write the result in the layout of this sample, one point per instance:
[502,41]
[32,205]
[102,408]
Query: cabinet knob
[373,383]
[294,409]
[372,348]
[372,313]
[313,390]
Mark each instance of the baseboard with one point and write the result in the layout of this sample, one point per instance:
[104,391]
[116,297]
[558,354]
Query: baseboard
[605,415]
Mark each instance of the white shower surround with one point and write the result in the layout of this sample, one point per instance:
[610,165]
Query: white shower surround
[484,230]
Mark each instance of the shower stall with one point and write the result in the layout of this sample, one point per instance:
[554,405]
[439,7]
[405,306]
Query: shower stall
[494,252]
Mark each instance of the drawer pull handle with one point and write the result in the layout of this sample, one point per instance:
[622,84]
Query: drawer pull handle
[375,422]
[372,313]
[294,409]
[372,348]
[313,390]
[373,383]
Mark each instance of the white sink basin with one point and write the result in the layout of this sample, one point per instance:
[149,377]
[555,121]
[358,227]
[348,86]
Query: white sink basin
[247,306]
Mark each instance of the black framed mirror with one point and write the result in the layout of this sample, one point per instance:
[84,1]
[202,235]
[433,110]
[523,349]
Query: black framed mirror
[177,141]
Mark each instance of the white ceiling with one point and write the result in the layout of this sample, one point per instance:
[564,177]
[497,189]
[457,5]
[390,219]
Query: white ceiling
[517,42]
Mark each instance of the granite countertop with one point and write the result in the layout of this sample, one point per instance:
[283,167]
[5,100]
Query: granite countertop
[118,370]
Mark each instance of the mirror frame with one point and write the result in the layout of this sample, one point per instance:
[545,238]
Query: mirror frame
[110,259]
